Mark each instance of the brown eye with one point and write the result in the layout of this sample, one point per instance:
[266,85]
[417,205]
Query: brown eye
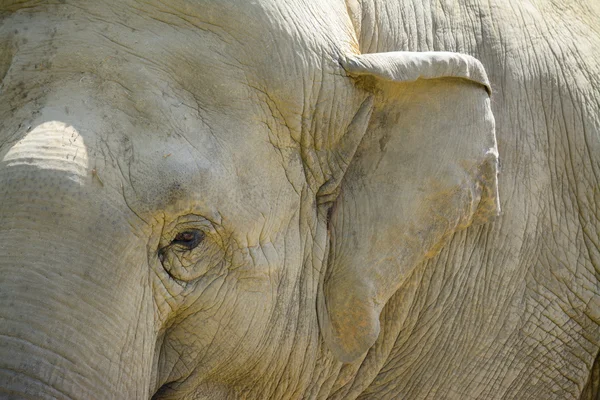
[188,239]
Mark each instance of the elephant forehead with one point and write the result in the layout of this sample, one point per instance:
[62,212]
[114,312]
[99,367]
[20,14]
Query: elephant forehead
[194,44]
[170,107]
[163,175]
[230,172]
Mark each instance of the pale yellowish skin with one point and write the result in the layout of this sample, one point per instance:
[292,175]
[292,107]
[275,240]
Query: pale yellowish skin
[335,205]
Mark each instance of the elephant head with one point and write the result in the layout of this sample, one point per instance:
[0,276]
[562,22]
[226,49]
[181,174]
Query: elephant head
[195,194]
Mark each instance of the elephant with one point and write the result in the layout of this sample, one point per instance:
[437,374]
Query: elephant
[300,199]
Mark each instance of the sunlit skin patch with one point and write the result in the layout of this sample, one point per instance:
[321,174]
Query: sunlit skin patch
[53,143]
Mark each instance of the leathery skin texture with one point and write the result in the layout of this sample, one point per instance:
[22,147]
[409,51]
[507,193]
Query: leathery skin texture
[300,199]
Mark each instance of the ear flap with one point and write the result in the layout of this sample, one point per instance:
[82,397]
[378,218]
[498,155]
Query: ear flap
[427,166]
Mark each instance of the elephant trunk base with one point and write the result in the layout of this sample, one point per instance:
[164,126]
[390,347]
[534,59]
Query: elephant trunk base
[56,346]
[76,318]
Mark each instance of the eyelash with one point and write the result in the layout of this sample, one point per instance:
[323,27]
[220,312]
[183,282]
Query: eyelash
[188,239]
[183,241]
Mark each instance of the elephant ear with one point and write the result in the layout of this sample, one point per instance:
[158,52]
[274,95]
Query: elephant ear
[426,167]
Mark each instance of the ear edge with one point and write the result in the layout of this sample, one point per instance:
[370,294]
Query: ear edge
[405,66]
[349,348]
[489,205]
[354,133]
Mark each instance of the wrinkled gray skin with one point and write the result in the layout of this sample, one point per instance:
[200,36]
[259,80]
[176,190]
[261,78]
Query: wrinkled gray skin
[338,199]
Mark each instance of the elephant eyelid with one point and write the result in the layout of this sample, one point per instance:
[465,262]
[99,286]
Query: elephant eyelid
[188,239]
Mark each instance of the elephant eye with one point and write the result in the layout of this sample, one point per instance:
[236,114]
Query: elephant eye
[188,239]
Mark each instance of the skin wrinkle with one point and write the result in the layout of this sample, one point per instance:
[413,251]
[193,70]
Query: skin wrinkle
[44,349]
[82,279]
[43,384]
[431,315]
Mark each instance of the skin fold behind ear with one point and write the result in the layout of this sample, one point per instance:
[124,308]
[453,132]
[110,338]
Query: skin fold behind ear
[426,167]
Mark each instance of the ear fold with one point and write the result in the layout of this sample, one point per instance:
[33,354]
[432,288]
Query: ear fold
[406,66]
[427,166]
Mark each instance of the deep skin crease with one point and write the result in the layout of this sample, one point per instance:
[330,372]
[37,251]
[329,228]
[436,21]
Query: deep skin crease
[131,129]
